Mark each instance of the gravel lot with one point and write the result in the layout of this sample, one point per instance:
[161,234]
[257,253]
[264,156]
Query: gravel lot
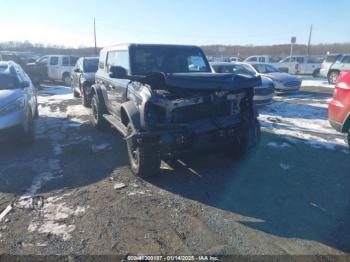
[72,191]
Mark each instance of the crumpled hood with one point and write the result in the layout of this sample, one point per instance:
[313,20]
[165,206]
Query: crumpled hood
[282,77]
[211,81]
[89,77]
[7,96]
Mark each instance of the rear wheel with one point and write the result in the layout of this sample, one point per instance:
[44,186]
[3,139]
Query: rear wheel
[144,162]
[86,100]
[66,79]
[75,93]
[97,111]
[333,77]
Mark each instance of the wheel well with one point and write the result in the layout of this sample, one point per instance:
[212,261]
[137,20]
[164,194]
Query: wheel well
[333,70]
[65,74]
[124,117]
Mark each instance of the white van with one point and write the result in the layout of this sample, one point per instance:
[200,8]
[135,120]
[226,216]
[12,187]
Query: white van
[59,67]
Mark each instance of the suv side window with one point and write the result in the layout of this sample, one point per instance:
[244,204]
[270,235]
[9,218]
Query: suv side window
[118,58]
[262,59]
[65,60]
[73,60]
[300,60]
[346,59]
[54,60]
[252,59]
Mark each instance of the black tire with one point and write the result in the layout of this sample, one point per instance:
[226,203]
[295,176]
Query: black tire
[349,138]
[332,77]
[248,140]
[66,79]
[85,99]
[36,113]
[316,73]
[144,162]
[75,93]
[28,130]
[98,109]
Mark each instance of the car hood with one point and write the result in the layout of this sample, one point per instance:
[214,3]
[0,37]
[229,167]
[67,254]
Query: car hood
[90,77]
[283,77]
[7,96]
[211,81]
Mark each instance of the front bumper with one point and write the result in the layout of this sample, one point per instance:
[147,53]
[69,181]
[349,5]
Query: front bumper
[12,119]
[324,72]
[195,136]
[281,88]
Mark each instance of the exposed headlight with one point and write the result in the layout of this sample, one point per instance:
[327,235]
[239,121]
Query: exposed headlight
[13,106]
[154,114]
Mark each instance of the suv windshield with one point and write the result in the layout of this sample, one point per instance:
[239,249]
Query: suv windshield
[90,65]
[168,60]
[8,82]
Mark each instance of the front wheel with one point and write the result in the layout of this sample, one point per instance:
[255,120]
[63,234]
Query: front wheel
[316,73]
[333,77]
[247,140]
[349,138]
[144,162]
[28,130]
[86,99]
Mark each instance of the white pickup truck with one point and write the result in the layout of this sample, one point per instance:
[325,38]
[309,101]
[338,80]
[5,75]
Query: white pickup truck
[300,65]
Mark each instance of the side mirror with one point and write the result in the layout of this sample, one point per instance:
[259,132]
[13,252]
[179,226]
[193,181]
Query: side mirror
[118,72]
[25,84]
[76,70]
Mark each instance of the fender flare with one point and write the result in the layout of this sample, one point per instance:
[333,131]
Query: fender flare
[132,113]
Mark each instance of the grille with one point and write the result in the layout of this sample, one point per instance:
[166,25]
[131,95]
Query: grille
[292,83]
[201,111]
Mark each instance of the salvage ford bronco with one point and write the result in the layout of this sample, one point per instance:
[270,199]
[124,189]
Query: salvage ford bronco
[165,100]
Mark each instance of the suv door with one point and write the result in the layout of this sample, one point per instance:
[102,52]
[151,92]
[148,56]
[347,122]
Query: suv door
[345,63]
[117,88]
[53,67]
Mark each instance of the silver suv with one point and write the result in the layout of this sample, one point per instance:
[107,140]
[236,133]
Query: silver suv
[18,103]
[333,65]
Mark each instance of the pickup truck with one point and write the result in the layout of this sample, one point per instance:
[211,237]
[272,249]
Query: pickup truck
[300,65]
[165,101]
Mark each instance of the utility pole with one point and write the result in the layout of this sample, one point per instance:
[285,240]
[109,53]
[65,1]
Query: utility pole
[308,46]
[95,36]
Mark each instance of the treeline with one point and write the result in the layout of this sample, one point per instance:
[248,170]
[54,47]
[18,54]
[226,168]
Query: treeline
[210,50]
[46,49]
[284,50]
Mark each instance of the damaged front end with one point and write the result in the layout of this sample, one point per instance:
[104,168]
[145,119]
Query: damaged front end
[194,111]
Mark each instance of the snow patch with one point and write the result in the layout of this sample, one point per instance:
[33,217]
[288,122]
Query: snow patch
[278,145]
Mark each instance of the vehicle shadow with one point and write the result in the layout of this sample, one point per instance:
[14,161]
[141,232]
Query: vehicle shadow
[66,154]
[298,191]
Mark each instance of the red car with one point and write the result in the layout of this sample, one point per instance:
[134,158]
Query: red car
[339,107]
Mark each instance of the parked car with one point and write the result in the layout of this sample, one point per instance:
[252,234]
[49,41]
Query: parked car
[165,100]
[83,76]
[20,58]
[263,93]
[263,59]
[18,103]
[284,83]
[333,65]
[52,67]
[300,65]
[234,59]
[339,107]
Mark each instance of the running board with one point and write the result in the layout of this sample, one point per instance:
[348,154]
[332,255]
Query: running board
[114,121]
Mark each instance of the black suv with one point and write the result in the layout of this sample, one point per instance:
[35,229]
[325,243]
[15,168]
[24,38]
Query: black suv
[165,100]
[82,77]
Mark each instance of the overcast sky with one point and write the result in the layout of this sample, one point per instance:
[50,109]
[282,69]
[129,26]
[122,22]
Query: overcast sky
[70,23]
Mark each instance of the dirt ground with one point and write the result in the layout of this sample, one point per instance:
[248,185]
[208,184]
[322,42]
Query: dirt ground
[73,193]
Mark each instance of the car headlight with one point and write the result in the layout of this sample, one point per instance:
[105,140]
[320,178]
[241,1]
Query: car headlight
[13,106]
